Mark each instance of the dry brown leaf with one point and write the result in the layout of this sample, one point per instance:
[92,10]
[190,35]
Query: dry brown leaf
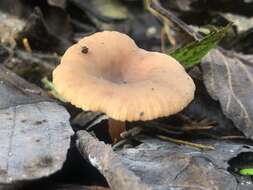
[228,77]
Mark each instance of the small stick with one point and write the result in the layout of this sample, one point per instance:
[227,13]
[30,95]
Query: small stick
[227,137]
[125,135]
[177,141]
[167,31]
[162,34]
[156,6]
[131,132]
[232,137]
[184,128]
[119,144]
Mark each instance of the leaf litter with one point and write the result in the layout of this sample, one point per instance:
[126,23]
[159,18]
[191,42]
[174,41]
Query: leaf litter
[147,156]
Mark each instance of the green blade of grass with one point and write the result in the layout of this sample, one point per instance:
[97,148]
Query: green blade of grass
[50,86]
[192,53]
[246,171]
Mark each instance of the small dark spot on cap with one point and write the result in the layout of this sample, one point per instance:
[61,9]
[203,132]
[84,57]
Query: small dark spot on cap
[23,120]
[142,113]
[85,49]
[152,89]
[37,140]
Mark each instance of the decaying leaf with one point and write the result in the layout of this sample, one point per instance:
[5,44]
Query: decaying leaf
[34,131]
[168,166]
[228,78]
[160,165]
[192,53]
[203,106]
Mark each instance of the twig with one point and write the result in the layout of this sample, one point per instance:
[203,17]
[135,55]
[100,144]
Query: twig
[37,58]
[125,135]
[177,141]
[184,128]
[156,6]
[131,132]
[119,144]
[165,31]
[227,137]
[232,137]
[108,163]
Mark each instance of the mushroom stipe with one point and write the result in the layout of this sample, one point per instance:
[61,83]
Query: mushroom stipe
[123,81]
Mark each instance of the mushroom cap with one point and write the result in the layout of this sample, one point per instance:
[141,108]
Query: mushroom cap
[114,76]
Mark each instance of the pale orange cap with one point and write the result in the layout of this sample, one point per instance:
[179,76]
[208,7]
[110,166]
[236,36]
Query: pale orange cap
[107,72]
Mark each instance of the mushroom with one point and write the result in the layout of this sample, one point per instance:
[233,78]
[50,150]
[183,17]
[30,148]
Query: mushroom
[107,72]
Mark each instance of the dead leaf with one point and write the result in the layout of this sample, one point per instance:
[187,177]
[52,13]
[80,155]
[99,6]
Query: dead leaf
[164,165]
[228,77]
[34,131]
[156,164]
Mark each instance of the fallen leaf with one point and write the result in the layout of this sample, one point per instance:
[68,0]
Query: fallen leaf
[228,77]
[204,106]
[34,132]
[156,164]
[168,166]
